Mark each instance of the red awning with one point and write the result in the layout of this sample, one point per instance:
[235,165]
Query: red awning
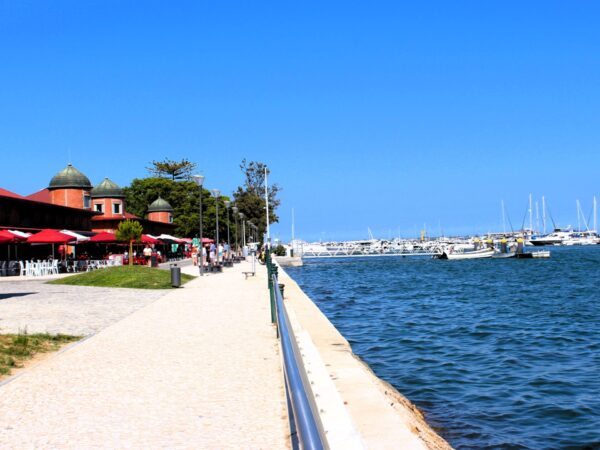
[207,241]
[104,237]
[50,237]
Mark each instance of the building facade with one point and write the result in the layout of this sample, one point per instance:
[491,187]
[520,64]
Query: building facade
[70,202]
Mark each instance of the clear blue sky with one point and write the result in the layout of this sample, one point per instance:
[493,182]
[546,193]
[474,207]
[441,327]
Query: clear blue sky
[369,114]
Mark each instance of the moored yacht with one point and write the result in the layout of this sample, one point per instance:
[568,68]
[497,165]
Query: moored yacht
[557,237]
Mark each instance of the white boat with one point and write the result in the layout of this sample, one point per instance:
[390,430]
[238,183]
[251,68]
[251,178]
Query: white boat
[541,254]
[582,238]
[557,237]
[453,252]
[509,254]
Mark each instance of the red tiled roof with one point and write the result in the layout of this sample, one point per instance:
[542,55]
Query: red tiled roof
[40,196]
[6,193]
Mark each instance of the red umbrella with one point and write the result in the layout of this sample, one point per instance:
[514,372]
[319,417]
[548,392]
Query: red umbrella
[50,237]
[7,236]
[104,237]
[148,239]
[207,241]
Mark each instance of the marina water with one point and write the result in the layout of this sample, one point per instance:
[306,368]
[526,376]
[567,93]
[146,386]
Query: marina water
[497,353]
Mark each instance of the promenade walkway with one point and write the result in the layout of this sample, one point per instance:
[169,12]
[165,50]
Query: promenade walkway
[197,368]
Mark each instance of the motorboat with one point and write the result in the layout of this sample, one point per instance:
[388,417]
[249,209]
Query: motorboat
[508,254]
[557,237]
[460,252]
[582,238]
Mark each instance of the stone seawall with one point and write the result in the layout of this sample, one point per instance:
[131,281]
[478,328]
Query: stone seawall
[383,417]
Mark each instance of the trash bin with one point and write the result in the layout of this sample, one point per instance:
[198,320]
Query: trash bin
[175,276]
[153,260]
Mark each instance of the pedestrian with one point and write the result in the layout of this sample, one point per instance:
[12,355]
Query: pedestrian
[213,250]
[147,252]
[227,255]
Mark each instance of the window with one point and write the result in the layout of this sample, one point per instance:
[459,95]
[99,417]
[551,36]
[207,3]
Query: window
[99,207]
[170,218]
[86,201]
[116,208]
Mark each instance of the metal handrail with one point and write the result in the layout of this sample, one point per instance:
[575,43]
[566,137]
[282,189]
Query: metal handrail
[306,418]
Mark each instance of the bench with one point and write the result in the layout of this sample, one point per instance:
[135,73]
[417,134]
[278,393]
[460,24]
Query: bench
[249,274]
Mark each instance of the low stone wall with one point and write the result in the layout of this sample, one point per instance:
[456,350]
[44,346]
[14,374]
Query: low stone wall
[383,417]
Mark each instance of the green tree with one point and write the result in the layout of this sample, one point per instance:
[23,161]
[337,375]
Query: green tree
[175,170]
[183,196]
[129,231]
[279,250]
[250,198]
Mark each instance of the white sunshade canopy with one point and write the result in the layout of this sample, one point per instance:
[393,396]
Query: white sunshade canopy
[20,233]
[168,236]
[79,237]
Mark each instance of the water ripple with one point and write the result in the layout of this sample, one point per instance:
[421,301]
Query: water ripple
[500,354]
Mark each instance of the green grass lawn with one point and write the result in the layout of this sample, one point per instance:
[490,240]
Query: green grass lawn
[18,348]
[140,277]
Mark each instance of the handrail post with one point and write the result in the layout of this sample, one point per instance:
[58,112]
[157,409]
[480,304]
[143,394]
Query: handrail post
[272,297]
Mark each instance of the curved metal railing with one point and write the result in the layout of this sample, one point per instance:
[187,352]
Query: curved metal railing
[300,396]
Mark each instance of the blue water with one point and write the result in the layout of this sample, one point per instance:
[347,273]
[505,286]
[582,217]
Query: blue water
[501,354]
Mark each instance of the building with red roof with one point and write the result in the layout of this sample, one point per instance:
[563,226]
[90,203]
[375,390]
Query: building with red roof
[70,202]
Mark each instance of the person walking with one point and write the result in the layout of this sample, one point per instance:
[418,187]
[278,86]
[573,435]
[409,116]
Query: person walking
[213,250]
[227,251]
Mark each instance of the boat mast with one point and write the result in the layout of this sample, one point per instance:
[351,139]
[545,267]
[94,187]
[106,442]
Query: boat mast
[544,213]
[585,222]
[503,217]
[595,216]
[537,217]
[578,216]
[530,214]
[293,225]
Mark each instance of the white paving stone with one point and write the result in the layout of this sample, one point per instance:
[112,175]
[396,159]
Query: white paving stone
[39,307]
[197,368]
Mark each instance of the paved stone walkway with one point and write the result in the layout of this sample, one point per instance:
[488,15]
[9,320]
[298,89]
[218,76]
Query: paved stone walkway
[198,368]
[38,307]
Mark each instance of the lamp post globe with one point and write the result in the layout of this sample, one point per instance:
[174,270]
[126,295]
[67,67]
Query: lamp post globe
[199,179]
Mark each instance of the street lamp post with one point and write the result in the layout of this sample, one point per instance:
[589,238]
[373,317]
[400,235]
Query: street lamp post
[199,179]
[227,205]
[243,230]
[237,230]
[216,193]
